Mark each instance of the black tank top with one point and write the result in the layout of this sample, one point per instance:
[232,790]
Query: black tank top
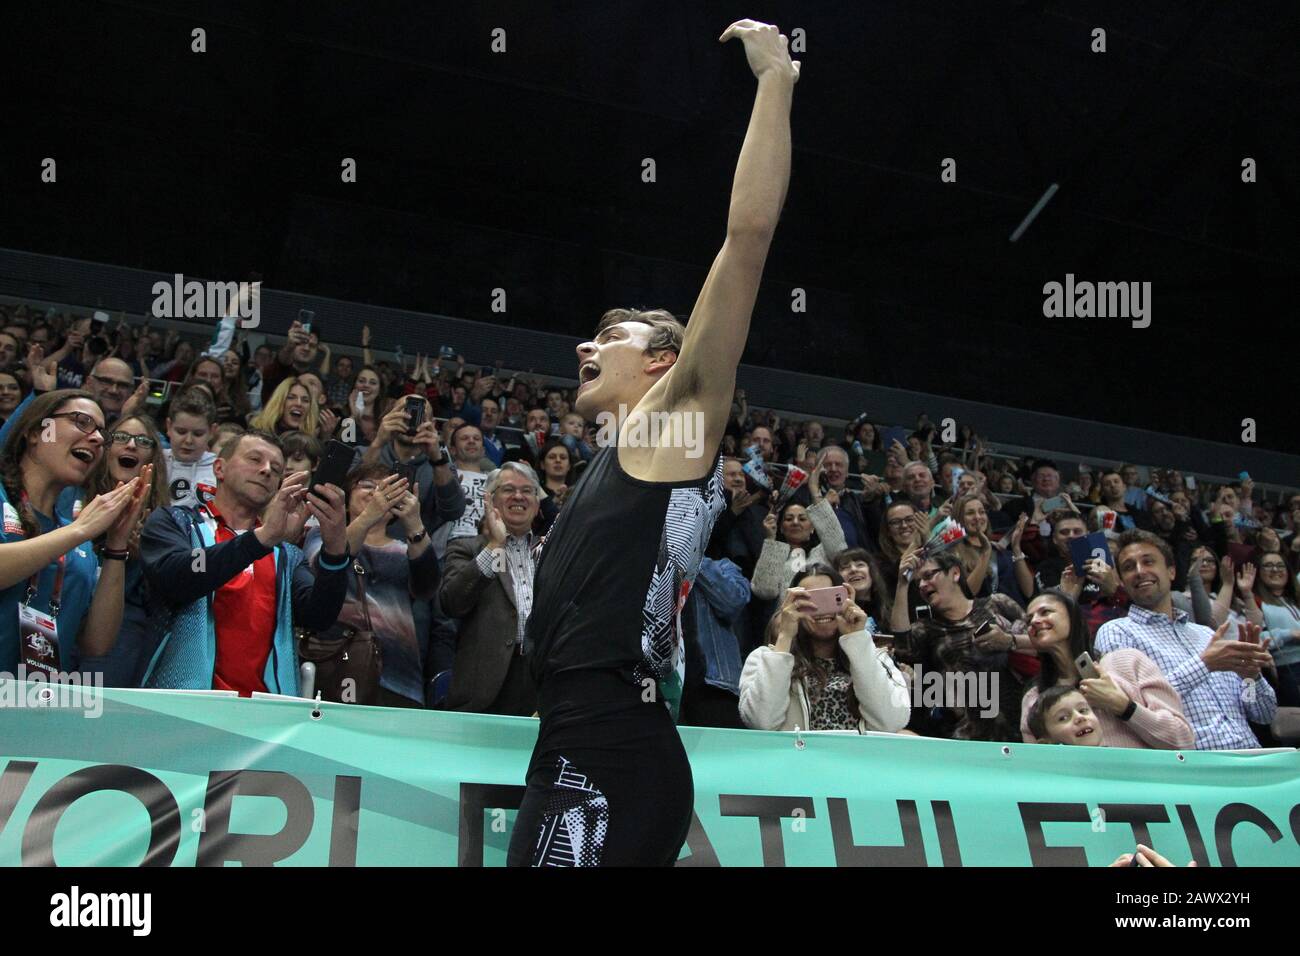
[615,570]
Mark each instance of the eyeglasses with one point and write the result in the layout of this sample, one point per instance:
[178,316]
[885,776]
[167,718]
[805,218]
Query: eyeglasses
[930,575]
[113,383]
[899,522]
[141,441]
[1272,567]
[85,424]
[527,491]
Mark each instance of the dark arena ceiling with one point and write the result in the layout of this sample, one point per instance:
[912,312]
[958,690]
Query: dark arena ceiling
[522,170]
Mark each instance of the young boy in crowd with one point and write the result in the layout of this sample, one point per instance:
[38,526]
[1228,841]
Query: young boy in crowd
[1063,716]
[573,433]
[301,452]
[189,462]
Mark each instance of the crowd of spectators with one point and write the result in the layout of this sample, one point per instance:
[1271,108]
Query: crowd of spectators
[162,529]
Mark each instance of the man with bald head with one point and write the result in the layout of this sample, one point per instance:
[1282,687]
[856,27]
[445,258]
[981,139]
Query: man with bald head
[113,386]
[109,381]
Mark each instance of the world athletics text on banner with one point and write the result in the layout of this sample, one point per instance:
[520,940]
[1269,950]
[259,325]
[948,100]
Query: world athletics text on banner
[182,779]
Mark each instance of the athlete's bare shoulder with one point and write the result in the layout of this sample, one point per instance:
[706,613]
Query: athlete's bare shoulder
[659,441]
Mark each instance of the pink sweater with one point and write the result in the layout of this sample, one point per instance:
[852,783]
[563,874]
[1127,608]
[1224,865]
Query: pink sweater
[1158,722]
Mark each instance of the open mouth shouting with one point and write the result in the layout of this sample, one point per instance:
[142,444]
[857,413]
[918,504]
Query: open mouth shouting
[128,460]
[587,373]
[85,455]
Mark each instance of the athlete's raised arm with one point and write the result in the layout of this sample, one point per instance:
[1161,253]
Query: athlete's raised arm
[704,376]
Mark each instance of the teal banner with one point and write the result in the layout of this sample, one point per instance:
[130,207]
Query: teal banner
[131,777]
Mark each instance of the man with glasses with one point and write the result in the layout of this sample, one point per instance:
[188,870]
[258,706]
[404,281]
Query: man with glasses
[111,383]
[488,583]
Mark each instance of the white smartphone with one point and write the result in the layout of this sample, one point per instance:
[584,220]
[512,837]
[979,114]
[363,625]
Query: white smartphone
[1087,667]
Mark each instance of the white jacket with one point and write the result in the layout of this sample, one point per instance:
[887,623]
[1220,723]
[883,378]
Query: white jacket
[770,698]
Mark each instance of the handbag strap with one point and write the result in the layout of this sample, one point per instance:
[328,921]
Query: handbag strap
[360,573]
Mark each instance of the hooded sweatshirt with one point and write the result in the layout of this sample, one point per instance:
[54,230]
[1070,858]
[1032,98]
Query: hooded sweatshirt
[191,483]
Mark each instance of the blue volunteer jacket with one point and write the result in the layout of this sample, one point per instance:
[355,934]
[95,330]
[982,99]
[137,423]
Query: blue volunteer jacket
[187,654]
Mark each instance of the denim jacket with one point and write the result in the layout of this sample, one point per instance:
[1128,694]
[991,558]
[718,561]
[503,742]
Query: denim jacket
[721,594]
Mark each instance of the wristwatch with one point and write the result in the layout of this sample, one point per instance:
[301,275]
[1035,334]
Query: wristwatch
[417,537]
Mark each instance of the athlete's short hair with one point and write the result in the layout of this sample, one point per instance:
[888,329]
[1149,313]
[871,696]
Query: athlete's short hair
[665,331]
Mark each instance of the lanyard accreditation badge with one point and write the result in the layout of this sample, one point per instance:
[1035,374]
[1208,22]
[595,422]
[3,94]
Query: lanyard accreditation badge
[38,631]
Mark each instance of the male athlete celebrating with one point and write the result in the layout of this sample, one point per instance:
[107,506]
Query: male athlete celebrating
[609,783]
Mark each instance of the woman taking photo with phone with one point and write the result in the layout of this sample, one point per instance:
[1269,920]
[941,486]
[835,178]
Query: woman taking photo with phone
[62,603]
[376,626]
[1134,703]
[820,670]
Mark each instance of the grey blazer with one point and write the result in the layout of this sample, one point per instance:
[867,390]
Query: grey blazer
[485,640]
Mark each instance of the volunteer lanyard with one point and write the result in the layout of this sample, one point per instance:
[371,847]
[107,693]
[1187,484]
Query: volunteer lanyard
[33,582]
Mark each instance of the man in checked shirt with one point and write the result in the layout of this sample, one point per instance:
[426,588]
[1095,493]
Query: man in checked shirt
[1218,678]
[487,582]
